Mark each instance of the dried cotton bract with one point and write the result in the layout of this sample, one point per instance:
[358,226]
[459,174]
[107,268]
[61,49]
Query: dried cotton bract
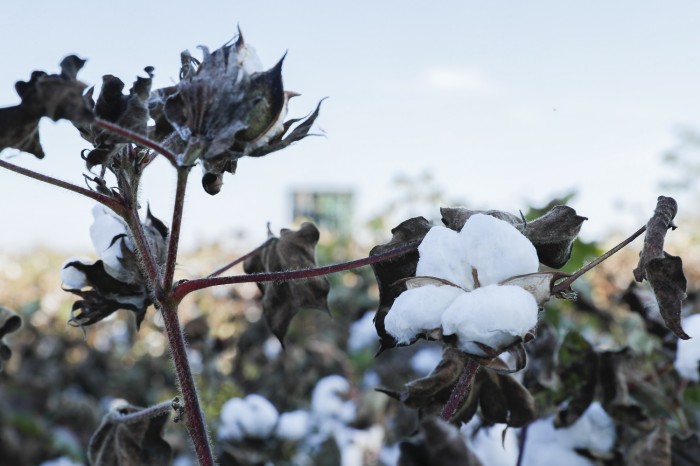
[457,287]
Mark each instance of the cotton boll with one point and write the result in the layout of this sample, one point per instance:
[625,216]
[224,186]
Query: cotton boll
[293,426]
[494,446]
[493,315]
[71,277]
[326,400]
[419,309]
[442,255]
[688,352]
[104,228]
[497,249]
[594,430]
[252,417]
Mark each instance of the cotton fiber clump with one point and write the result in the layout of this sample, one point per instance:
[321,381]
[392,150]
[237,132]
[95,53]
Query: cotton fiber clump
[249,417]
[487,249]
[594,431]
[688,352]
[492,315]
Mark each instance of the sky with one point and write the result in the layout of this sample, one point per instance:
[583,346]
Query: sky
[505,105]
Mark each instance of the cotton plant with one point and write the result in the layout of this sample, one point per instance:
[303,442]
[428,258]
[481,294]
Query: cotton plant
[474,284]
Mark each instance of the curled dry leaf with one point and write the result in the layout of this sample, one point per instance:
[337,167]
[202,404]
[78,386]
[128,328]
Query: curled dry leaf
[130,443]
[663,271]
[553,234]
[9,322]
[437,442]
[281,301]
[390,273]
[57,96]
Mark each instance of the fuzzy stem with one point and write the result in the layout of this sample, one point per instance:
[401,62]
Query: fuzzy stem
[186,287]
[247,256]
[566,283]
[460,391]
[179,206]
[113,204]
[148,261]
[139,139]
[194,418]
[150,412]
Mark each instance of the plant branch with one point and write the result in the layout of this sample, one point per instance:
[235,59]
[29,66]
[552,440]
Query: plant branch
[566,283]
[148,261]
[139,139]
[194,418]
[460,391]
[247,256]
[113,204]
[186,287]
[174,240]
[152,411]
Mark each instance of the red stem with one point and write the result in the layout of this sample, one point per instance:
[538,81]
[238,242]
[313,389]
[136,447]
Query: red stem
[113,204]
[566,284]
[194,418]
[247,256]
[139,139]
[460,391]
[174,241]
[186,287]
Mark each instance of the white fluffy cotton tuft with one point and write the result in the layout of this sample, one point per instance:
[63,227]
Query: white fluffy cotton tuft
[418,310]
[294,425]
[72,278]
[493,315]
[442,254]
[688,353]
[327,400]
[249,417]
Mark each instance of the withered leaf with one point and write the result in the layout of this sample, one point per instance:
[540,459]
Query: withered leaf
[615,390]
[663,271]
[653,449]
[9,322]
[390,273]
[57,96]
[437,443]
[423,391]
[281,301]
[503,399]
[552,234]
[578,371]
[129,443]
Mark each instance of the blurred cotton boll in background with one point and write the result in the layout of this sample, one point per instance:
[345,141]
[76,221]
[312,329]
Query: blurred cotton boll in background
[249,417]
[688,353]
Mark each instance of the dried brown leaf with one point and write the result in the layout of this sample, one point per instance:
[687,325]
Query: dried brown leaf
[654,449]
[281,301]
[132,443]
[578,372]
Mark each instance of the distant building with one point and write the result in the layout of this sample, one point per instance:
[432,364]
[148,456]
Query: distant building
[329,210]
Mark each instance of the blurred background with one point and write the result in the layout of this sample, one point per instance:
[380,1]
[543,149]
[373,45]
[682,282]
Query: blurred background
[462,103]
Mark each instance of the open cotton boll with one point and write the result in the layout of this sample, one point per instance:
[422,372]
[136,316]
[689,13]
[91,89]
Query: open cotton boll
[327,402]
[497,249]
[71,277]
[594,430]
[441,254]
[688,352]
[493,315]
[251,417]
[105,227]
[294,425]
[419,309]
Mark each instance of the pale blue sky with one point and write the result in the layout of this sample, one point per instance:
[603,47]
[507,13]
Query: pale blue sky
[506,103]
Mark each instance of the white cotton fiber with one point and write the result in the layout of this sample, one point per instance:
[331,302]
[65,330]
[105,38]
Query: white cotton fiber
[105,227]
[442,255]
[497,249]
[327,400]
[494,445]
[294,425]
[251,417]
[426,359]
[688,352]
[493,315]
[71,277]
[419,309]
[363,334]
